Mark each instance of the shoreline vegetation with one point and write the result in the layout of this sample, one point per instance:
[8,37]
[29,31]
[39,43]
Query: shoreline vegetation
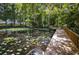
[27,26]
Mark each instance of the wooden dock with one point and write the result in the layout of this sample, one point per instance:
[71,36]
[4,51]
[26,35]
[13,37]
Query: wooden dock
[61,44]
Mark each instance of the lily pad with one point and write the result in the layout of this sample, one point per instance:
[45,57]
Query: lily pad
[17,53]
[19,49]
[25,48]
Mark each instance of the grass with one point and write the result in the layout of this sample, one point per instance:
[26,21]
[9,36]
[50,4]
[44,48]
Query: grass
[15,29]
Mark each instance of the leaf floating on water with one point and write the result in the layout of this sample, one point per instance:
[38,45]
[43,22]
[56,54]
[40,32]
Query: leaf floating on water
[5,53]
[0,47]
[28,46]
[8,50]
[19,49]
[0,52]
[19,42]
[3,49]
[11,50]
[25,48]
[17,53]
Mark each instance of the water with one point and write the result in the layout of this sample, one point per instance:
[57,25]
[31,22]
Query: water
[26,40]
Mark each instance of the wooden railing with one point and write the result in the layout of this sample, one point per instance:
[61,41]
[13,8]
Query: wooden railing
[73,36]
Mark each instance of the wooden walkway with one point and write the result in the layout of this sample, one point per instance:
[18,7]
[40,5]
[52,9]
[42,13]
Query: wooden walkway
[61,44]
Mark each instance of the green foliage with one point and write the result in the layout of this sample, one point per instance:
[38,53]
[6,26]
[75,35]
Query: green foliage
[9,39]
[40,15]
[35,15]
[28,22]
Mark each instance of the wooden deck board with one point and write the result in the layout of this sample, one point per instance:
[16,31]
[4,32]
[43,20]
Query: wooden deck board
[61,44]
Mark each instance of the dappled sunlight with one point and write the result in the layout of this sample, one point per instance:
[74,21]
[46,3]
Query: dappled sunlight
[39,28]
[61,44]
